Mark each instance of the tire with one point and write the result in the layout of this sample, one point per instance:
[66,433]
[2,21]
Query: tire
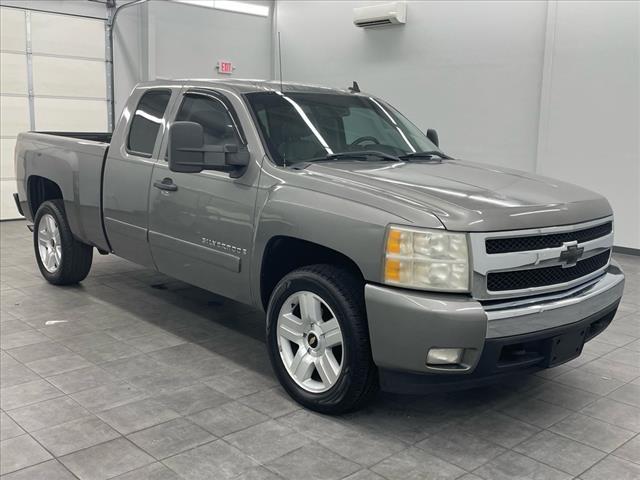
[66,260]
[309,381]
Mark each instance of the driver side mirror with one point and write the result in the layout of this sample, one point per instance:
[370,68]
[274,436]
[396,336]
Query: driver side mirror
[189,154]
[432,135]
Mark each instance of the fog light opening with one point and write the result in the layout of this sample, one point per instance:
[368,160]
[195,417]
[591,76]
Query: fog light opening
[445,356]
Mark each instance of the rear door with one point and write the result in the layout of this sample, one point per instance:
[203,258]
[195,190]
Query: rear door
[134,150]
[201,227]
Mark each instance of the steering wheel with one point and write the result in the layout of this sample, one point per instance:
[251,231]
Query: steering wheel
[360,140]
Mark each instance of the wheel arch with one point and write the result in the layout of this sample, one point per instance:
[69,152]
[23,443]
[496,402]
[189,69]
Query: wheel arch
[284,253]
[39,190]
[345,231]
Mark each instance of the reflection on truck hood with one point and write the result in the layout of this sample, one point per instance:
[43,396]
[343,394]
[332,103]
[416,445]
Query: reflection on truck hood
[470,196]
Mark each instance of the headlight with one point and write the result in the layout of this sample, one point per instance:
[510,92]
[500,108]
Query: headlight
[426,259]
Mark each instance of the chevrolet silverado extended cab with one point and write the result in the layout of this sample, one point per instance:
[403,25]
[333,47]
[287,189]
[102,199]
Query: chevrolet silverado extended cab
[380,261]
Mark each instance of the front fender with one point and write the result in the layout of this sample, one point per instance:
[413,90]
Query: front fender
[353,229]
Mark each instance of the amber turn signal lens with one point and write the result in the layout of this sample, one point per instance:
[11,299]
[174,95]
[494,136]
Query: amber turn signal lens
[392,270]
[393,241]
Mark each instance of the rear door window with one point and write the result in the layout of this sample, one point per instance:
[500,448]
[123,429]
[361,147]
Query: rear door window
[146,122]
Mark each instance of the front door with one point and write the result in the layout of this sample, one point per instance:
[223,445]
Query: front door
[201,224]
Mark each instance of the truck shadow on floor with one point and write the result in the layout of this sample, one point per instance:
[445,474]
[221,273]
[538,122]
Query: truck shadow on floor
[233,336]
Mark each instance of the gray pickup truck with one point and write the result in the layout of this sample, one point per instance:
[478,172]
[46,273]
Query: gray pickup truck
[380,261]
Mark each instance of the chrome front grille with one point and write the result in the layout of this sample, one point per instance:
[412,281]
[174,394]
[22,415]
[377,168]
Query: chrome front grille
[537,261]
[540,277]
[549,240]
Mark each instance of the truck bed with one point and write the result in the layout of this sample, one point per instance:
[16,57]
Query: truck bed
[101,137]
[74,162]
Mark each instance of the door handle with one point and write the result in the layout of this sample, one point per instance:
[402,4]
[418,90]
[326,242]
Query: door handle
[166,184]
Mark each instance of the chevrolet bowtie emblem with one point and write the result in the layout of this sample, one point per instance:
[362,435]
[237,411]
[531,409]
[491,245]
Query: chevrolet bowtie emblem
[571,254]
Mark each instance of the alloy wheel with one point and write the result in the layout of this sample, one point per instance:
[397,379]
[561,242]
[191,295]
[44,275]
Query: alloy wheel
[310,342]
[49,244]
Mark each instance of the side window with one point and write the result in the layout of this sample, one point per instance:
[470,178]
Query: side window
[146,122]
[212,115]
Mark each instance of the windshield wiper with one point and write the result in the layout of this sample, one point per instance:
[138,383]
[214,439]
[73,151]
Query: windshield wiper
[428,154]
[359,155]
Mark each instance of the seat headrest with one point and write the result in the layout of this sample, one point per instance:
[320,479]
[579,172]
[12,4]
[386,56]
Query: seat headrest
[215,123]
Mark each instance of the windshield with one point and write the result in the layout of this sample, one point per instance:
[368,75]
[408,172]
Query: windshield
[303,126]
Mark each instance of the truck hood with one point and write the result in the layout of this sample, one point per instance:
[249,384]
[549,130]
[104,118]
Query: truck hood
[469,196]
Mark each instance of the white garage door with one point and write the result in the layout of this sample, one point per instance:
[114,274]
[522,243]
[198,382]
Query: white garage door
[53,77]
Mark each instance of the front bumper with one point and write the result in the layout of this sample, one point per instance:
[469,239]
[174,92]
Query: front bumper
[498,338]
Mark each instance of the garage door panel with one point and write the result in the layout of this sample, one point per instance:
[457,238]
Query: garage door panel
[69,77]
[67,73]
[7,148]
[13,31]
[71,115]
[64,35]
[13,73]
[8,208]
[14,115]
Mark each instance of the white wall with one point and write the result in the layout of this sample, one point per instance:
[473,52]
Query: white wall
[188,41]
[130,52]
[480,73]
[472,69]
[589,129]
[542,86]
[163,39]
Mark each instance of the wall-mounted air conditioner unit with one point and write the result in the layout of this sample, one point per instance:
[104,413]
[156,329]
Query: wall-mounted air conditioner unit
[394,13]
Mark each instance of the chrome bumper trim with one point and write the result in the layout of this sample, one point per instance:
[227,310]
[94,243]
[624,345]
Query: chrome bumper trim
[515,318]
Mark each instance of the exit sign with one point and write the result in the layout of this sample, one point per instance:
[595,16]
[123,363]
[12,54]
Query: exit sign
[225,67]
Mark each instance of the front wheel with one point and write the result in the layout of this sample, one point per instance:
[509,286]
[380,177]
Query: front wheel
[62,259]
[318,339]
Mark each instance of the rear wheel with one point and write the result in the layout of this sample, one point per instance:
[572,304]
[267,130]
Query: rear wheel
[62,259]
[319,341]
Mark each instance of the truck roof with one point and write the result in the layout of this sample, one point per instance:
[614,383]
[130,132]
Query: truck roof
[242,85]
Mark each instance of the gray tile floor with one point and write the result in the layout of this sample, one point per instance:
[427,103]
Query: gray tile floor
[136,376]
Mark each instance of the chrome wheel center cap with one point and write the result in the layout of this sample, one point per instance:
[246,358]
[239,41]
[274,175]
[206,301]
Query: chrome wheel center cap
[313,341]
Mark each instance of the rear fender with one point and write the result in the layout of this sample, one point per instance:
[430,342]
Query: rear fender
[60,166]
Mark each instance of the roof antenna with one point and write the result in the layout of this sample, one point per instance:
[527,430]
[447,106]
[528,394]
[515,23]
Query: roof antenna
[280,61]
[355,88]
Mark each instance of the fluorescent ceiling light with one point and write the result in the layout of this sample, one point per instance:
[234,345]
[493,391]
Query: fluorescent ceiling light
[231,6]
[199,3]
[242,7]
